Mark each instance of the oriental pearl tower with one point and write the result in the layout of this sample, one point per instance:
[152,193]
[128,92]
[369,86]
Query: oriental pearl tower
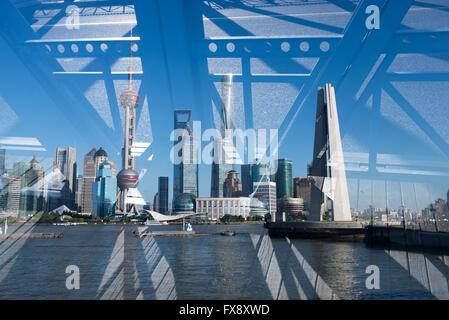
[128,177]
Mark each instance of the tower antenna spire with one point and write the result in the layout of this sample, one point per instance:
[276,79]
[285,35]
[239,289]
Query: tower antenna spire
[130,66]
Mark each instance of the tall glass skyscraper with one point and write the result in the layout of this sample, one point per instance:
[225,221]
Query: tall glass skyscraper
[65,161]
[104,191]
[185,175]
[284,182]
[223,148]
[89,176]
[163,195]
[2,161]
[253,172]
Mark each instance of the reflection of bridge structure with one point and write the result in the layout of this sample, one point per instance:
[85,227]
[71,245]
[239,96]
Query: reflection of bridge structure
[384,79]
[153,268]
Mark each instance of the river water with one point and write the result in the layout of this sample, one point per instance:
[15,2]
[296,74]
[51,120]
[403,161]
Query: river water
[115,264]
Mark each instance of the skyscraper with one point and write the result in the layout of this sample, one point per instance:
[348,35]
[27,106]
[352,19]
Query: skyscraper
[89,176]
[104,191]
[156,202]
[185,174]
[163,195]
[247,180]
[232,186]
[2,161]
[21,169]
[65,162]
[223,147]
[266,191]
[284,178]
[79,193]
[34,188]
[10,195]
[227,104]
[302,188]
[253,172]
[100,157]
[328,160]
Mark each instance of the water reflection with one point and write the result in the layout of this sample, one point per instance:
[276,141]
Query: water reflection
[114,264]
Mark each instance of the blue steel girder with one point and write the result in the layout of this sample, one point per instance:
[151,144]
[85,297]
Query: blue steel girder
[99,47]
[334,66]
[419,41]
[392,13]
[254,47]
[16,31]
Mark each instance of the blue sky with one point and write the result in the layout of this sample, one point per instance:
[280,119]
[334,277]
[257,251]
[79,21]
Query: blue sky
[393,101]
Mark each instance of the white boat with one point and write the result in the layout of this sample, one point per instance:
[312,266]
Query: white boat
[154,223]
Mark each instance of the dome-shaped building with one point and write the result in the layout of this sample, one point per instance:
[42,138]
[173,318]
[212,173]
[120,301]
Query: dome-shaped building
[185,202]
[257,207]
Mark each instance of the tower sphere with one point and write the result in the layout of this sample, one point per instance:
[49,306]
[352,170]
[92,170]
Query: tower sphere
[129,98]
[127,178]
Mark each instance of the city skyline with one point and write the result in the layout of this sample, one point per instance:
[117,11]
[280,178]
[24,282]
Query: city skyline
[413,143]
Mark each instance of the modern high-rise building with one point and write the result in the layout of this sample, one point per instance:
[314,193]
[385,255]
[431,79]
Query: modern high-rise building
[79,192]
[232,186]
[328,162]
[223,151]
[163,195]
[247,181]
[221,165]
[185,173]
[65,162]
[100,157]
[21,169]
[266,191]
[253,172]
[156,202]
[104,191]
[2,161]
[302,188]
[10,195]
[89,176]
[284,178]
[32,195]
[227,104]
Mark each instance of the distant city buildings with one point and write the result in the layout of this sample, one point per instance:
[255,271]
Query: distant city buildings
[251,173]
[163,195]
[31,177]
